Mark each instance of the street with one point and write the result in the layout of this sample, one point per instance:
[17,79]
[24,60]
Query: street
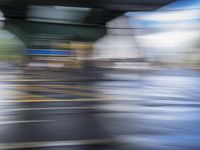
[154,110]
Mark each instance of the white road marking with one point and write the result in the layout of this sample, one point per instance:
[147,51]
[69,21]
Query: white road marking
[147,141]
[5,146]
[2,122]
[44,108]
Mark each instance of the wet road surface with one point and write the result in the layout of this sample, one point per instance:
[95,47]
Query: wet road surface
[157,110]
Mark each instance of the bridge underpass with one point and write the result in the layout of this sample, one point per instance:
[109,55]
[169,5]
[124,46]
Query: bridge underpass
[50,109]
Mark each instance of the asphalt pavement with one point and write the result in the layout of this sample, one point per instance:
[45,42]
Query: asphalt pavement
[54,110]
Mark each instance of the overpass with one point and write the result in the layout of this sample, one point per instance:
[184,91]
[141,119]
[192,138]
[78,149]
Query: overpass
[90,28]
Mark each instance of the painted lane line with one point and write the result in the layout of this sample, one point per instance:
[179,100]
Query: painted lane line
[58,91]
[22,121]
[49,100]
[45,108]
[6,146]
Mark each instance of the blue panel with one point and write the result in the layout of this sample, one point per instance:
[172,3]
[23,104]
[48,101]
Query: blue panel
[52,52]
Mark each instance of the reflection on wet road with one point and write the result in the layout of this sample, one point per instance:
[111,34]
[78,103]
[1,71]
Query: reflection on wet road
[154,110]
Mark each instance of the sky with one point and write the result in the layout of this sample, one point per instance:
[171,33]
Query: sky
[177,25]
[182,5]
[178,12]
